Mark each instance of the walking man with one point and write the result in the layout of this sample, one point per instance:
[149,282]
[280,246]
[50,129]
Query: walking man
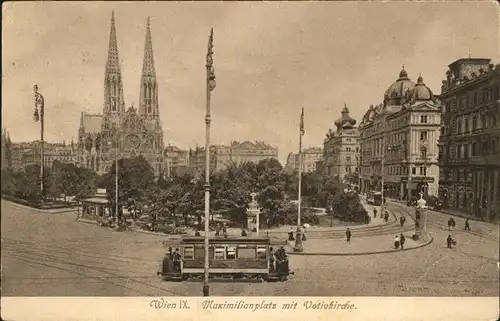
[467,226]
[402,240]
[348,235]
[374,213]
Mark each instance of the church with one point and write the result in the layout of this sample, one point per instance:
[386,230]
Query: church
[121,132]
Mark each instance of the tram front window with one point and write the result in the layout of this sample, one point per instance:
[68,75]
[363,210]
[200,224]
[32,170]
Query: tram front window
[261,253]
[245,253]
[231,253]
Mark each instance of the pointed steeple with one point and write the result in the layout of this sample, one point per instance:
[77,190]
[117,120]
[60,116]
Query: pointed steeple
[113,84]
[148,66]
[148,104]
[113,63]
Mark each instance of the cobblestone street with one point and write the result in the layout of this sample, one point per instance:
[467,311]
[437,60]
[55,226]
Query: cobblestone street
[53,255]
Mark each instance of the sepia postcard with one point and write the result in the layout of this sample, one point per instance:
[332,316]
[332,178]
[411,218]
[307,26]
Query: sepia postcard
[338,160]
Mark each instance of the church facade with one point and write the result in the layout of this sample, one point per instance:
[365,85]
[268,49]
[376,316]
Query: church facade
[121,132]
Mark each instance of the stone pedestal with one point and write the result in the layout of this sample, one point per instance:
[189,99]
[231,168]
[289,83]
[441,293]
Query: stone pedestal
[253,215]
[420,218]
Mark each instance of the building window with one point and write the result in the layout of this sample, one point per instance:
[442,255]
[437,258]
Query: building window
[459,126]
[466,124]
[474,123]
[423,135]
[466,151]
[348,159]
[474,149]
[423,171]
[484,121]
[423,119]
[459,151]
[414,170]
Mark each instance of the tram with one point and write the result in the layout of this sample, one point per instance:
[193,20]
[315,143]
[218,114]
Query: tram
[374,198]
[230,258]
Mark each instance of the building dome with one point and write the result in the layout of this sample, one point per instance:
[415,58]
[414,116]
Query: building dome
[399,89]
[420,91]
[345,120]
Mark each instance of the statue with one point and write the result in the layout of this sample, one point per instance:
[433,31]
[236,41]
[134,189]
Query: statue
[253,213]
[420,217]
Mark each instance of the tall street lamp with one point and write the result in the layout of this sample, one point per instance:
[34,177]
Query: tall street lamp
[38,116]
[423,148]
[298,238]
[210,84]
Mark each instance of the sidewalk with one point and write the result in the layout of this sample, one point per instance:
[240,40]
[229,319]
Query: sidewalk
[378,221]
[363,245]
[47,211]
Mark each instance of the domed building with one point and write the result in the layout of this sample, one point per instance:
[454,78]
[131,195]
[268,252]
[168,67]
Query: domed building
[341,149]
[398,141]
[396,94]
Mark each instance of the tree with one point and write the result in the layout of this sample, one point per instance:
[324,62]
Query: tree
[352,178]
[135,178]
[347,207]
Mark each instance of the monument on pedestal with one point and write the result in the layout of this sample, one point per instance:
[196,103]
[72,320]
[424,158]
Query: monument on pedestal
[253,213]
[420,218]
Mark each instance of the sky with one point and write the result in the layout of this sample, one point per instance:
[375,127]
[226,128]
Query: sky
[270,58]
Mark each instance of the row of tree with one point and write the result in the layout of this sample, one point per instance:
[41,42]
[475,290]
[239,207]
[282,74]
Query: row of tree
[62,179]
[183,196]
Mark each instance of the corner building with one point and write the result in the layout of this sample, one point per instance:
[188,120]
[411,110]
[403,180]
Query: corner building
[341,147]
[398,141]
[120,132]
[470,137]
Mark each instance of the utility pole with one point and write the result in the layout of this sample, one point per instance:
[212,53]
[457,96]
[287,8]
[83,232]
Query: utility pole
[210,87]
[38,116]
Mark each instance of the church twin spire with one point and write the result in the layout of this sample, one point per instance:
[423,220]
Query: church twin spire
[114,102]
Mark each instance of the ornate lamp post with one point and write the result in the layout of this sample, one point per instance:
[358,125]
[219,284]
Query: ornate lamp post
[423,148]
[38,116]
[210,87]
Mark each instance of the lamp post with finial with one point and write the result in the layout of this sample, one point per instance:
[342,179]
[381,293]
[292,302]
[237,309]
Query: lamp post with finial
[38,116]
[210,86]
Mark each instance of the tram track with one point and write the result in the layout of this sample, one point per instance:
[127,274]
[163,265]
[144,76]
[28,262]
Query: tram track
[58,260]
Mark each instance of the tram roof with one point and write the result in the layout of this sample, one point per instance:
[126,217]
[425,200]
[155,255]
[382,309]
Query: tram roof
[222,239]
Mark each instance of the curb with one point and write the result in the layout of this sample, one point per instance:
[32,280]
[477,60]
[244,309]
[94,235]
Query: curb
[431,239]
[133,231]
[47,211]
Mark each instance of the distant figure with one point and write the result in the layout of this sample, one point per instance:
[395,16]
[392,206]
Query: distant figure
[197,233]
[217,229]
[402,220]
[374,213]
[290,235]
[396,242]
[386,216]
[449,242]
[402,240]
[177,261]
[169,253]
[243,232]
[467,226]
[451,224]
[348,235]
[271,259]
[224,230]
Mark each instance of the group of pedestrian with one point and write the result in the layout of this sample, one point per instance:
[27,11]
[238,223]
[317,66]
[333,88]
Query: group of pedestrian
[174,260]
[399,241]
[281,259]
[220,228]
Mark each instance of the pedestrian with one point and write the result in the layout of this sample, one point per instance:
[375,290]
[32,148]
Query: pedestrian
[386,216]
[396,242]
[217,229]
[177,261]
[348,235]
[402,240]
[197,233]
[449,225]
[402,220]
[449,241]
[243,232]
[290,235]
[453,223]
[224,230]
[467,226]
[271,259]
[374,213]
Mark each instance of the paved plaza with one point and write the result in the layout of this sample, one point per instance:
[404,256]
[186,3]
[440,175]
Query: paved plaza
[51,254]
